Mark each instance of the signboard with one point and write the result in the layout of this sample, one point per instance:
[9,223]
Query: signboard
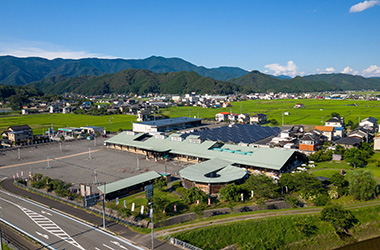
[82,190]
[149,191]
[90,200]
[88,190]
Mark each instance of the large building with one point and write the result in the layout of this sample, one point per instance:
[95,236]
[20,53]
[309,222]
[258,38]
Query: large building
[164,125]
[220,163]
[238,133]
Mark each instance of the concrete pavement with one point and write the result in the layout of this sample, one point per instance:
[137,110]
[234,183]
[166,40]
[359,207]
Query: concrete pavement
[143,240]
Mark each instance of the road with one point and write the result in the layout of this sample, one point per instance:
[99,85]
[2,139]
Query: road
[54,229]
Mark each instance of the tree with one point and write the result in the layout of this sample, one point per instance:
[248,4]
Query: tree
[230,192]
[308,185]
[335,114]
[339,149]
[350,123]
[340,218]
[160,183]
[273,122]
[193,194]
[362,184]
[339,181]
[62,138]
[356,157]
[262,186]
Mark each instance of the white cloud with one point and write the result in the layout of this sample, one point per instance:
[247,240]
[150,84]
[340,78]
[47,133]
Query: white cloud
[348,70]
[372,70]
[22,48]
[364,5]
[276,69]
[37,52]
[328,70]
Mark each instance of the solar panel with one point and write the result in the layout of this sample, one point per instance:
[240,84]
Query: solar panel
[245,133]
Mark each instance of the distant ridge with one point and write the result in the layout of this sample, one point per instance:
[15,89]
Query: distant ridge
[21,71]
[260,82]
[138,81]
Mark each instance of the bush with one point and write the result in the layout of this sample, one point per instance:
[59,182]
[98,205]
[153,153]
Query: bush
[176,185]
[193,194]
[321,200]
[181,190]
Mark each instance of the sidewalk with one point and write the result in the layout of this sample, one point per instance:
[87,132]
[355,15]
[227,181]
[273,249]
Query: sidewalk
[120,230]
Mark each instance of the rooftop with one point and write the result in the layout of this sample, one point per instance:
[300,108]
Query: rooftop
[213,171]
[128,182]
[324,128]
[245,133]
[170,121]
[269,158]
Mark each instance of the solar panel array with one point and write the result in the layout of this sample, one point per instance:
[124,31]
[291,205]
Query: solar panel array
[245,133]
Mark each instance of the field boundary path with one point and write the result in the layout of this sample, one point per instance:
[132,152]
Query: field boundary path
[118,229]
[311,210]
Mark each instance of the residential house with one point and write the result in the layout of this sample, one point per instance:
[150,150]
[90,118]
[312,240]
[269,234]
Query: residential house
[376,144]
[310,142]
[362,133]
[18,134]
[222,116]
[299,105]
[369,122]
[258,119]
[349,142]
[233,117]
[243,118]
[327,131]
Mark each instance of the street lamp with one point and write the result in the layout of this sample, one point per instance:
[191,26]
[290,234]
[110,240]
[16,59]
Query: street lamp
[111,125]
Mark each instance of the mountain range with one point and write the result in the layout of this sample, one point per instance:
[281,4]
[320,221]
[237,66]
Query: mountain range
[20,71]
[161,75]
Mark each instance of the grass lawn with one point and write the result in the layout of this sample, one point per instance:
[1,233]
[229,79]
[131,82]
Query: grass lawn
[140,200]
[327,169]
[40,122]
[314,113]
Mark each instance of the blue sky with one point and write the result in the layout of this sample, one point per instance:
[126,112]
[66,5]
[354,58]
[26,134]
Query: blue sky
[294,37]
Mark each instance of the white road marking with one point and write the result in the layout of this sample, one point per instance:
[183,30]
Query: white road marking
[46,224]
[43,235]
[108,247]
[97,248]
[118,244]
[46,213]
[70,218]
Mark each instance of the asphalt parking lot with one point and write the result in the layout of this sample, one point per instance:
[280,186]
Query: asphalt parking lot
[72,162]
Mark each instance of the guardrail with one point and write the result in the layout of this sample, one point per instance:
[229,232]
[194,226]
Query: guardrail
[183,244]
[80,205]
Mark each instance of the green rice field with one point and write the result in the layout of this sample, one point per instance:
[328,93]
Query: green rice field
[41,122]
[314,113]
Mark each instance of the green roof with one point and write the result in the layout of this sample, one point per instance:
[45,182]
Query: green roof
[213,171]
[268,158]
[129,182]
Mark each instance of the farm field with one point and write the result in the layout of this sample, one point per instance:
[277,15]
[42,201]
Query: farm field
[41,122]
[316,112]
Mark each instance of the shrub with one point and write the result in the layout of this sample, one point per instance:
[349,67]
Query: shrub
[181,190]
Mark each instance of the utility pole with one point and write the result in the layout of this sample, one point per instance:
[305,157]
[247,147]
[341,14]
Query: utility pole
[282,118]
[48,163]
[151,217]
[89,153]
[111,125]
[138,163]
[18,154]
[60,146]
[104,208]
